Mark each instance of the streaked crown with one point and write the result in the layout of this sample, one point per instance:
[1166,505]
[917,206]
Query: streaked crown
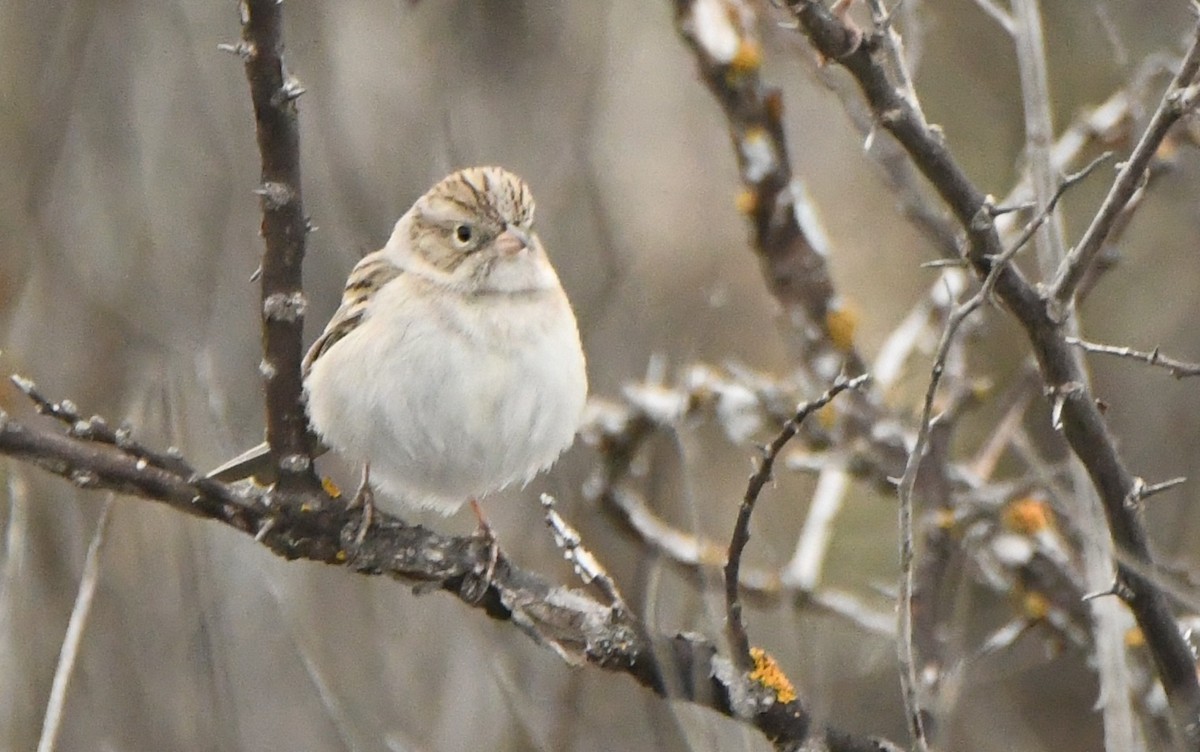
[491,194]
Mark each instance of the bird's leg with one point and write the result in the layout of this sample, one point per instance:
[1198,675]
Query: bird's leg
[366,497]
[484,531]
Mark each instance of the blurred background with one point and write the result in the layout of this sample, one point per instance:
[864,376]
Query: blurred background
[128,234]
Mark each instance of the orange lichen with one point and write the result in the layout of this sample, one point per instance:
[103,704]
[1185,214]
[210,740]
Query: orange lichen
[1035,605]
[1134,638]
[841,322]
[746,201]
[1028,515]
[331,487]
[748,57]
[768,674]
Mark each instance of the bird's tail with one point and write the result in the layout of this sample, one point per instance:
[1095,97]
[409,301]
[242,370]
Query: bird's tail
[253,463]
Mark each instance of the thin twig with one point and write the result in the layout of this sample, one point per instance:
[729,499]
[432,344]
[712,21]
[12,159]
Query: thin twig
[586,565]
[735,629]
[52,721]
[1177,368]
[1039,127]
[1179,97]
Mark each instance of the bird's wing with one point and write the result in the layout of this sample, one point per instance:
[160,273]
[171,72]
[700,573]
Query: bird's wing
[366,278]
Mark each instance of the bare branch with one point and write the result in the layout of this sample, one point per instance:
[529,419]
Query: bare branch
[51,723]
[586,565]
[998,14]
[791,248]
[735,629]
[1039,127]
[1177,100]
[577,628]
[1177,368]
[284,229]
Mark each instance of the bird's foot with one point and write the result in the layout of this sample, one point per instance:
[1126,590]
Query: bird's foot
[475,585]
[364,497]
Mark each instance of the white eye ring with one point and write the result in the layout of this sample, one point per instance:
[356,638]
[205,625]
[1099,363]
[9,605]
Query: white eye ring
[463,234]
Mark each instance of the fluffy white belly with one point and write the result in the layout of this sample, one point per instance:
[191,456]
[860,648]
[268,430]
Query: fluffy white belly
[450,402]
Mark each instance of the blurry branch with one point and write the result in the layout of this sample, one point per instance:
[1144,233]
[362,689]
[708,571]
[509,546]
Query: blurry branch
[1179,98]
[1177,368]
[1074,407]
[52,722]
[790,244]
[284,230]
[577,628]
[740,403]
[1039,127]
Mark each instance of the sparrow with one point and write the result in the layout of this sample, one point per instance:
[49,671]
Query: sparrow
[453,366]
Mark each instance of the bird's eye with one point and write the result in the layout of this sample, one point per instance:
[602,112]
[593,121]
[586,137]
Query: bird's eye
[463,233]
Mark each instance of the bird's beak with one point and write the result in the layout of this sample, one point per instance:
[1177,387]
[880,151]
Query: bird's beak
[512,241]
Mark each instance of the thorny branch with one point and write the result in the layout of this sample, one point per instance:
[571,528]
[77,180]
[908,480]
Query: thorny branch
[909,682]
[573,625]
[734,627]
[1179,98]
[284,229]
[1177,368]
[1082,423]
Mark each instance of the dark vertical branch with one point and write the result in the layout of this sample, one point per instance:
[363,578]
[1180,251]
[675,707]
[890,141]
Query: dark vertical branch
[284,229]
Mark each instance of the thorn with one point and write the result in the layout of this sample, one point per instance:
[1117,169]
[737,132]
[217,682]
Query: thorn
[26,385]
[1086,597]
[242,49]
[275,195]
[289,92]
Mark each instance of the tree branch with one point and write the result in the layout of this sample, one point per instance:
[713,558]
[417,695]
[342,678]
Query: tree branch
[576,627]
[284,230]
[1083,424]
[1180,96]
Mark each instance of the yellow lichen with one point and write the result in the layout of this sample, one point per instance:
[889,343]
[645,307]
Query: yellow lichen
[1028,515]
[748,57]
[340,555]
[746,201]
[1134,637]
[841,322]
[767,673]
[331,487]
[1035,605]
